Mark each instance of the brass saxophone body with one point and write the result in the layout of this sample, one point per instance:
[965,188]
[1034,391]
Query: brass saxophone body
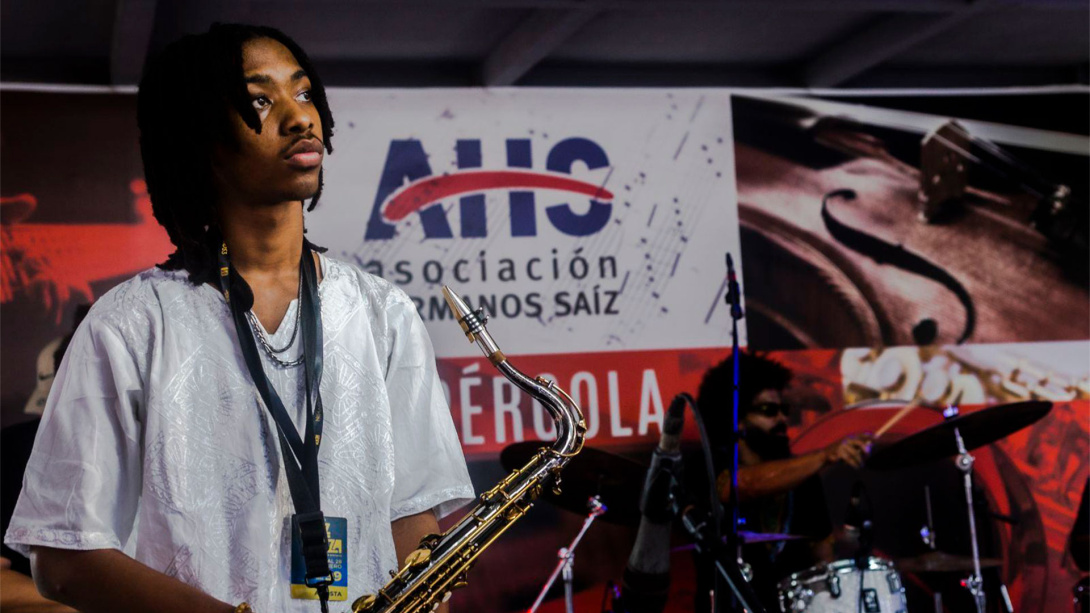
[441,562]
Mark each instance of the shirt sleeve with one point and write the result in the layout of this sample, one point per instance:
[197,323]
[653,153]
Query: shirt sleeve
[429,468]
[82,481]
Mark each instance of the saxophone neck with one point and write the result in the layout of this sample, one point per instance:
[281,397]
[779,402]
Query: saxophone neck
[571,429]
[569,440]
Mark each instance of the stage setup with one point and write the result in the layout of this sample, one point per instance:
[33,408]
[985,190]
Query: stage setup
[705,348]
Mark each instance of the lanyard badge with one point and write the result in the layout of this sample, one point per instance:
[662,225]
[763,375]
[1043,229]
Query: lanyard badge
[335,531]
[311,530]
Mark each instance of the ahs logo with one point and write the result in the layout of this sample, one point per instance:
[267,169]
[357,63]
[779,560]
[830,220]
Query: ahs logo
[425,192]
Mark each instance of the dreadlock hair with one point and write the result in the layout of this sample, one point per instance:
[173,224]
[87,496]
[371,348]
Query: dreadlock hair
[715,399]
[202,74]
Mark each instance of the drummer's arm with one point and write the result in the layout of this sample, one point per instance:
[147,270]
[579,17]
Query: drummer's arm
[771,478]
[778,476]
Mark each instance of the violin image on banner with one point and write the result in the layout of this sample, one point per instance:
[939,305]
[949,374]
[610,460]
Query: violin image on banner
[884,228]
[441,562]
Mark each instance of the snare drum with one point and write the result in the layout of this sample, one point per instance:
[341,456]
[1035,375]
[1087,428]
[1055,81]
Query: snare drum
[840,587]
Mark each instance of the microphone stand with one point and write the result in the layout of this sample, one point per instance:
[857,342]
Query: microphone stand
[696,521]
[567,559]
[728,578]
[734,300]
[730,585]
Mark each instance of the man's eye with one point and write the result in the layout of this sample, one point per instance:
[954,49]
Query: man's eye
[304,96]
[260,102]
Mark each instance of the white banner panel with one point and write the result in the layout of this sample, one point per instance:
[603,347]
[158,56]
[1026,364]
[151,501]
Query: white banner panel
[587,221]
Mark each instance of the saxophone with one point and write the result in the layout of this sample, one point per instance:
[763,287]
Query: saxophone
[440,564]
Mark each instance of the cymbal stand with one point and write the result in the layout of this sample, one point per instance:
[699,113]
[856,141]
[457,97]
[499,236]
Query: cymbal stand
[927,533]
[975,582]
[567,559]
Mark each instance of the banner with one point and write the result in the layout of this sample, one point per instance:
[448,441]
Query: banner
[591,227]
[592,221]
[892,246]
[894,255]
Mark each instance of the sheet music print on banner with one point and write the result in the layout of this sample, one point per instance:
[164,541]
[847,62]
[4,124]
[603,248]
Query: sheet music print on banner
[591,223]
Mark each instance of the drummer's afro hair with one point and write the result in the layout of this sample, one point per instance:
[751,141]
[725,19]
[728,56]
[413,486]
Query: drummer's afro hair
[715,398]
[183,110]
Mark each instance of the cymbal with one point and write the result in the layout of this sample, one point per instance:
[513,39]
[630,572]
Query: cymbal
[942,562]
[768,537]
[618,481]
[749,538]
[977,429]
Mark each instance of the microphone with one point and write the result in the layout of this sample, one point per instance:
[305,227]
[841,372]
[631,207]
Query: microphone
[647,575]
[734,295]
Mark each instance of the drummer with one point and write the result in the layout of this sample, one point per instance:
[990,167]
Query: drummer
[778,492]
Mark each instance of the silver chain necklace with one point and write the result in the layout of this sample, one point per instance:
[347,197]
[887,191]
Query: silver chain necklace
[263,338]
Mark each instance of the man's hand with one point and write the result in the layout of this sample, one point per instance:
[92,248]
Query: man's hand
[851,450]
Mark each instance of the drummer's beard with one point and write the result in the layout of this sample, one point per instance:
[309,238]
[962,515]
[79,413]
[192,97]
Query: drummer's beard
[770,445]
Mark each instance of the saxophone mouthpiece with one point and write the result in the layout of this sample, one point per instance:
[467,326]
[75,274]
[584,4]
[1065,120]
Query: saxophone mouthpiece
[472,323]
[461,311]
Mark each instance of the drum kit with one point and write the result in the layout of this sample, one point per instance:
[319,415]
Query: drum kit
[600,485]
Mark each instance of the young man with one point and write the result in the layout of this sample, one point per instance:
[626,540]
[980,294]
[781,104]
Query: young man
[777,491]
[162,478]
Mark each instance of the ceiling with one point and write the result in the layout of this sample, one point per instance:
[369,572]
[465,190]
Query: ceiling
[420,43]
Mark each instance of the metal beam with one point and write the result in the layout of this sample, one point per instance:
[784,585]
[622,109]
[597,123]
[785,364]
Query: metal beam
[133,24]
[874,6]
[530,42]
[881,41]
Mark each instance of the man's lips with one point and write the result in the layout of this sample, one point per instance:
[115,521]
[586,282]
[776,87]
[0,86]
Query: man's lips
[305,153]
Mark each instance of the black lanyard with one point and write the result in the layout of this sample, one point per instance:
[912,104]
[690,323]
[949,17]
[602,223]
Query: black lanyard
[300,453]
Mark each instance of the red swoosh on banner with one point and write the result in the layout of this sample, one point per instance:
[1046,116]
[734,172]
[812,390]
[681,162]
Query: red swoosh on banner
[416,196]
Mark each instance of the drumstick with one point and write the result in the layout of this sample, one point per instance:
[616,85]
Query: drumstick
[892,421]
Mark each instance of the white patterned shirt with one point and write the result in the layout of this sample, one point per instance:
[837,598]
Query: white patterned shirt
[155,441]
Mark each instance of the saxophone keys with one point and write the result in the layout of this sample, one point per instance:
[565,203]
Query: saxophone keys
[446,595]
[460,582]
[418,558]
[364,603]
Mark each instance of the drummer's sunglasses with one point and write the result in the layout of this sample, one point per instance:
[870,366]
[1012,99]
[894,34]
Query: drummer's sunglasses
[769,409]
